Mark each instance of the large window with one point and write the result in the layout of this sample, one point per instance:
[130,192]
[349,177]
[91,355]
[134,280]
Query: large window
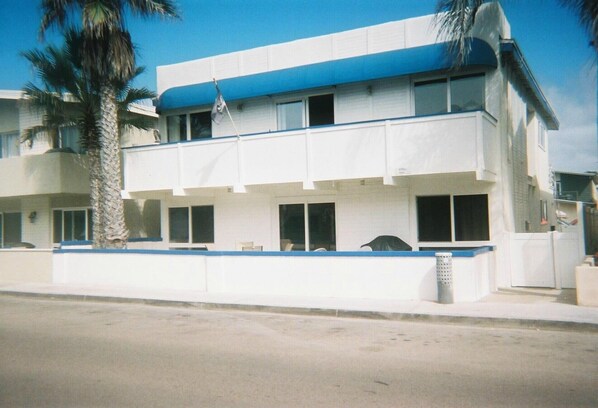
[454,94]
[9,144]
[191,126]
[10,228]
[315,110]
[465,220]
[191,225]
[72,225]
[316,231]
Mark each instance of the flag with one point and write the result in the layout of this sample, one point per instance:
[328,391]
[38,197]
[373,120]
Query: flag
[218,108]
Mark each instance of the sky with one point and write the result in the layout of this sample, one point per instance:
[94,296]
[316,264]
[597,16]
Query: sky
[553,43]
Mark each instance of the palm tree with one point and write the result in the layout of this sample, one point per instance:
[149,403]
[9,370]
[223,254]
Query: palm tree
[69,97]
[109,56]
[455,19]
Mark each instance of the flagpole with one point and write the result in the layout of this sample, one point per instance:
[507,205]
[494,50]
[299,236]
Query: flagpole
[240,187]
[227,110]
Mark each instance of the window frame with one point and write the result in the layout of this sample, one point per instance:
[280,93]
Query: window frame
[453,225]
[4,144]
[189,244]
[306,220]
[61,137]
[188,136]
[304,100]
[447,79]
[3,227]
[542,135]
[88,224]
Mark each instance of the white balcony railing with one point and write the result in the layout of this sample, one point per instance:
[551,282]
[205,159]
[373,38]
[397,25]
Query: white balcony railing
[452,143]
[50,173]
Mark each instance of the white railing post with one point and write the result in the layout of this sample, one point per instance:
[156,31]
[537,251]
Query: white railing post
[387,179]
[479,145]
[308,182]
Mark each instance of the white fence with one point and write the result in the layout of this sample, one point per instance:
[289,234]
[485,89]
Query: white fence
[403,276]
[545,259]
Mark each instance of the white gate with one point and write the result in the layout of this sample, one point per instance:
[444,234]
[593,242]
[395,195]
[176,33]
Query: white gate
[546,260]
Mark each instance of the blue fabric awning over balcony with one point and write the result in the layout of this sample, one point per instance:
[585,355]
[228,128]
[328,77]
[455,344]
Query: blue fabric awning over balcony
[428,58]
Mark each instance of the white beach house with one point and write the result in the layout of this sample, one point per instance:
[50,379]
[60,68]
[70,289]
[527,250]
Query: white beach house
[337,139]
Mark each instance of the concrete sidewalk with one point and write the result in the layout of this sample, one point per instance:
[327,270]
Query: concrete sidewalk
[517,307]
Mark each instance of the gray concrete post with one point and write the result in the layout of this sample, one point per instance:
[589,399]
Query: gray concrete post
[444,277]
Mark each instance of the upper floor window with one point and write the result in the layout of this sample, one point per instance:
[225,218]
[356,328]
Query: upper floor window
[454,94]
[191,126]
[69,139]
[312,111]
[9,144]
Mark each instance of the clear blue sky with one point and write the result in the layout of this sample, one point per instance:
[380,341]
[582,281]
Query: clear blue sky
[550,37]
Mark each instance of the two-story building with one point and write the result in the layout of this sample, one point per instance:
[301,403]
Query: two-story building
[335,140]
[44,188]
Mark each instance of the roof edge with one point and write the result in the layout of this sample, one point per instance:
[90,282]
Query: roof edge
[509,46]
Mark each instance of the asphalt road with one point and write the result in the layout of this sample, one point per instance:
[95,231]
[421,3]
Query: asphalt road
[67,353]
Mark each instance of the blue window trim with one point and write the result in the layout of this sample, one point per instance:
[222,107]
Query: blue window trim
[397,63]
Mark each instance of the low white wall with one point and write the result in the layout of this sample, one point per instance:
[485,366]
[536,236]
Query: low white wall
[130,269]
[25,265]
[341,275]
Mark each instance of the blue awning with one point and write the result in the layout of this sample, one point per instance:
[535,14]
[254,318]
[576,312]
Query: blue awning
[428,58]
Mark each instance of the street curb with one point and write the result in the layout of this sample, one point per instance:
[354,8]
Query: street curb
[495,322]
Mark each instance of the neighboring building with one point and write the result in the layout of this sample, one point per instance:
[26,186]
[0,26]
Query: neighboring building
[348,136]
[576,200]
[44,189]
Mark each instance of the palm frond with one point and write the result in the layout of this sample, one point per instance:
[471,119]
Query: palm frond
[162,8]
[455,19]
[587,13]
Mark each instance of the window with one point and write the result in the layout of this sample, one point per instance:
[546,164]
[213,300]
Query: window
[191,126]
[290,115]
[321,110]
[471,217]
[467,93]
[454,94]
[201,125]
[69,139]
[430,97]
[10,228]
[315,110]
[541,135]
[176,127]
[434,218]
[319,229]
[468,215]
[72,225]
[9,144]
[195,222]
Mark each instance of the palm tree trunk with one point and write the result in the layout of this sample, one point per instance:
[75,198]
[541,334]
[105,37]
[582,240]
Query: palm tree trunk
[95,183]
[116,232]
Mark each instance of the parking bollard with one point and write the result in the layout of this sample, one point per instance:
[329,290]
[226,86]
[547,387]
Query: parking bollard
[444,277]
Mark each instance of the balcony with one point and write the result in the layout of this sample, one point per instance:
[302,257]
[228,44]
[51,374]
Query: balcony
[50,173]
[439,144]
